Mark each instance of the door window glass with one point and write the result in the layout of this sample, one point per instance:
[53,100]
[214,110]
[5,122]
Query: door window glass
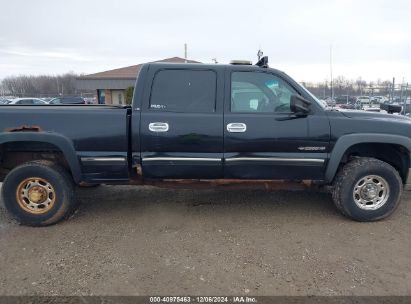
[184,91]
[259,92]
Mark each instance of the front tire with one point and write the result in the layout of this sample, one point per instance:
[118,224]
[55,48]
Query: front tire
[39,193]
[367,189]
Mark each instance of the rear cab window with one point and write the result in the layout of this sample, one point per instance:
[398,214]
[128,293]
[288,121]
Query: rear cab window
[187,91]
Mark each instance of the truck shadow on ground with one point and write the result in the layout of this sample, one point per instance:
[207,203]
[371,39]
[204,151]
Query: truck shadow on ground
[127,201]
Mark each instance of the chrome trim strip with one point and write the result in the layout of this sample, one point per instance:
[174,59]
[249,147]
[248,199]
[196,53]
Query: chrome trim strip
[276,159]
[182,159]
[234,159]
[103,159]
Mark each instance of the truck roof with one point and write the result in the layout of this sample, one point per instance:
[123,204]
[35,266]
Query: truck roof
[212,66]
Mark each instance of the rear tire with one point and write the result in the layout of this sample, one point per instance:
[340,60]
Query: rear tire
[39,193]
[367,189]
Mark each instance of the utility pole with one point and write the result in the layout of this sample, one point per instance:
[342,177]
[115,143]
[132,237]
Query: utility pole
[185,52]
[331,72]
[403,96]
[393,89]
[406,97]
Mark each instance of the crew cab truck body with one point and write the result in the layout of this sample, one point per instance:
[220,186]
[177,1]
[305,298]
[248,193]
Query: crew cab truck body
[192,124]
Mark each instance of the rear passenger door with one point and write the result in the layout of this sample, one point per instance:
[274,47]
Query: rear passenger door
[182,123]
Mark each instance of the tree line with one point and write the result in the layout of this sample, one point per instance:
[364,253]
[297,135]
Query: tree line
[40,86]
[344,86]
[65,84]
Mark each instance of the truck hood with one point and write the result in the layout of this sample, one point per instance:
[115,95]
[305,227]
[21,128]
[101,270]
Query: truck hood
[344,122]
[374,116]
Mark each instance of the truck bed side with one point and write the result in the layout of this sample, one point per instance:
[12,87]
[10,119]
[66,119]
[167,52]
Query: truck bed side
[92,141]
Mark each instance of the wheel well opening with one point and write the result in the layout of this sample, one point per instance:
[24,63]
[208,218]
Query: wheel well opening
[13,154]
[395,155]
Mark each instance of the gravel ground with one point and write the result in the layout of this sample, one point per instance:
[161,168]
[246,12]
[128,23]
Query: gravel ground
[128,240]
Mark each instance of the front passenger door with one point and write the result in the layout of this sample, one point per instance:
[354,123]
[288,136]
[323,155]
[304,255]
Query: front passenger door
[262,138]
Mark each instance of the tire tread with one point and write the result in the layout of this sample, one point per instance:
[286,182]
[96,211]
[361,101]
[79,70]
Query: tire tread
[347,172]
[69,204]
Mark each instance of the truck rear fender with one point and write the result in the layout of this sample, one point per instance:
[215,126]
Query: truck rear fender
[64,144]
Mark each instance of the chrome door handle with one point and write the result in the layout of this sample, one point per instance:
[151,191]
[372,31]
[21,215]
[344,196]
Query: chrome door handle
[236,127]
[158,127]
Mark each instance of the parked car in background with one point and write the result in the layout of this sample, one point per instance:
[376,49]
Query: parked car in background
[344,99]
[47,99]
[390,108]
[330,102]
[91,100]
[27,101]
[379,99]
[68,100]
[4,101]
[351,106]
[364,100]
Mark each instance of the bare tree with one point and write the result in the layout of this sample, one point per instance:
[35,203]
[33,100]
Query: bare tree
[344,86]
[40,86]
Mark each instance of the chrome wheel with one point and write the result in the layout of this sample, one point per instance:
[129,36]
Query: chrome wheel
[35,195]
[371,192]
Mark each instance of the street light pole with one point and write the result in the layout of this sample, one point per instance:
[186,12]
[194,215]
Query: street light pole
[331,72]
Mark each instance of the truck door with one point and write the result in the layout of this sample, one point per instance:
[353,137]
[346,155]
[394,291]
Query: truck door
[182,123]
[262,138]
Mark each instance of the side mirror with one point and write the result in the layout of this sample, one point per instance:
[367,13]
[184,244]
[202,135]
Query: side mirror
[299,105]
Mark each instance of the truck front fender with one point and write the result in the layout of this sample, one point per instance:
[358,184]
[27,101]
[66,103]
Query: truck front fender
[62,143]
[347,141]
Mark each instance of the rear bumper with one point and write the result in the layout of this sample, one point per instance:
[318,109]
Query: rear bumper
[407,185]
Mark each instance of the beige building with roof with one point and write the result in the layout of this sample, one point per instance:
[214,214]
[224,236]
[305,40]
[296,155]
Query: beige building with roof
[111,85]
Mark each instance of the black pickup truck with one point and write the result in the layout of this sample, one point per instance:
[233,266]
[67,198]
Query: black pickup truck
[207,125]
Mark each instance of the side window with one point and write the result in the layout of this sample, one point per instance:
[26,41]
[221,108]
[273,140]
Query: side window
[184,91]
[259,92]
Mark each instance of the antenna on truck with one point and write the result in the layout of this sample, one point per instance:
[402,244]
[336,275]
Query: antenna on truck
[259,54]
[262,61]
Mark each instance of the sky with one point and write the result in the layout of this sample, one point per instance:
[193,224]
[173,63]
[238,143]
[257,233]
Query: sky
[369,39]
